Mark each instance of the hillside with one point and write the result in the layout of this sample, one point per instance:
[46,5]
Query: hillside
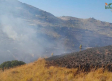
[90,58]
[92,64]
[27,32]
[36,71]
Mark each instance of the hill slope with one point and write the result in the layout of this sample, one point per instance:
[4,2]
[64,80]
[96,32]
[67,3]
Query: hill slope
[90,58]
[27,32]
[37,71]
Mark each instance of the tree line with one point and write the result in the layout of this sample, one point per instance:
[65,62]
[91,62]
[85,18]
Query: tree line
[10,64]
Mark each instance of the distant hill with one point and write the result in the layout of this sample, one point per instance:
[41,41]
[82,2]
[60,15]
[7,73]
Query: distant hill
[27,32]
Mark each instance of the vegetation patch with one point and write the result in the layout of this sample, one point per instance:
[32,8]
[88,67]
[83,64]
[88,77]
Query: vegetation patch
[10,64]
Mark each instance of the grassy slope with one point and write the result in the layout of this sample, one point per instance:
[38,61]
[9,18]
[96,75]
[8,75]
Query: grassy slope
[37,71]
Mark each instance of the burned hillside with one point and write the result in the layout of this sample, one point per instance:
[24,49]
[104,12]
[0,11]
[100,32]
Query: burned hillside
[90,58]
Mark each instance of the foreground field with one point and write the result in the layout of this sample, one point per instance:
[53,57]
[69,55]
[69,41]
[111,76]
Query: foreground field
[37,71]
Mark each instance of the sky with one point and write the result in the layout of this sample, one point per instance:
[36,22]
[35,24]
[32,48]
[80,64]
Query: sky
[76,8]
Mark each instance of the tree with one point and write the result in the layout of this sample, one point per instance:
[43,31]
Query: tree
[21,63]
[8,64]
[52,54]
[17,63]
[80,47]
[14,63]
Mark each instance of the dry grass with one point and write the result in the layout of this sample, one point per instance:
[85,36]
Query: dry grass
[37,71]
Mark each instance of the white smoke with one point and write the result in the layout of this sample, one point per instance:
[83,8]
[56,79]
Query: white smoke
[23,41]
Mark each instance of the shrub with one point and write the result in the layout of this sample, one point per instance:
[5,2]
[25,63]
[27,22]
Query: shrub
[9,64]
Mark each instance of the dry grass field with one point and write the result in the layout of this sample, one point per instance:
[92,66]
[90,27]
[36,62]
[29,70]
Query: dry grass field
[37,71]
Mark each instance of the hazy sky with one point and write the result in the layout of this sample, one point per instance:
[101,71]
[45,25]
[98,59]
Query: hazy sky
[76,8]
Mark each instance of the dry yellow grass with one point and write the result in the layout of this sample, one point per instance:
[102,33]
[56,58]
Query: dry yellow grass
[37,71]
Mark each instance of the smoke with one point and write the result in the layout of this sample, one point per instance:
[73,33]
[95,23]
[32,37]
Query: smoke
[21,41]
[23,38]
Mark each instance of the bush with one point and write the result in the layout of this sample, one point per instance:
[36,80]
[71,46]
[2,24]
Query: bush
[9,64]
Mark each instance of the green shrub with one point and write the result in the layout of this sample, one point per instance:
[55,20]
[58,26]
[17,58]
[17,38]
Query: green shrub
[9,64]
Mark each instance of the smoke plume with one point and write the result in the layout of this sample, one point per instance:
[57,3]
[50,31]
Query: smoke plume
[22,41]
